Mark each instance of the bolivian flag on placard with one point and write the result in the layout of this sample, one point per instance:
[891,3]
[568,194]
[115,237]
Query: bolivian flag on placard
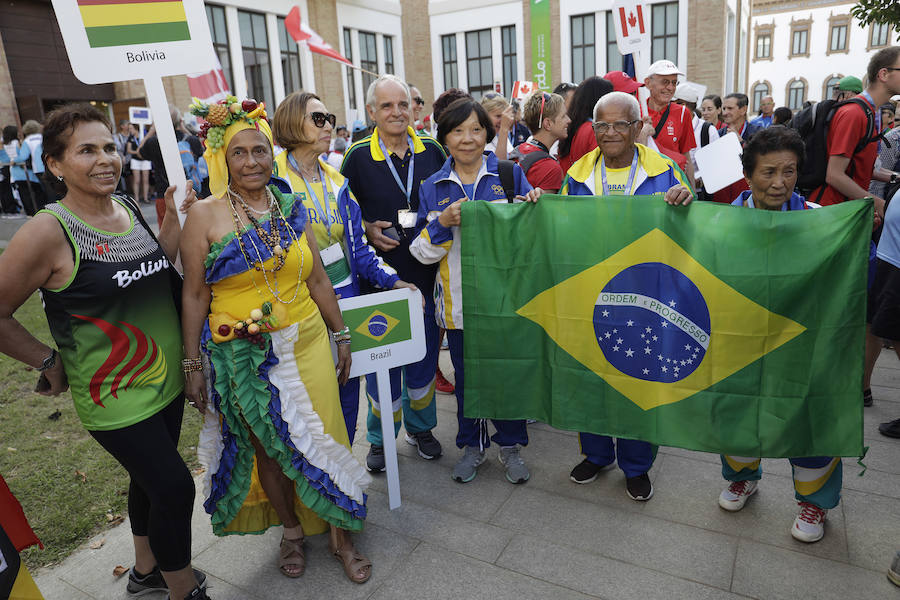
[126,22]
[707,327]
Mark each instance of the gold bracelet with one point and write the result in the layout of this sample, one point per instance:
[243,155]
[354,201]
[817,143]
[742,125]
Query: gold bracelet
[190,365]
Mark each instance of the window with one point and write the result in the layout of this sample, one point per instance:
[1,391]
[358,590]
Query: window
[764,46]
[255,47]
[831,84]
[878,36]
[664,32]
[219,33]
[614,59]
[448,57]
[760,91]
[368,58]
[796,94]
[389,54]
[583,47]
[839,31]
[351,82]
[478,62]
[290,59]
[800,38]
[510,68]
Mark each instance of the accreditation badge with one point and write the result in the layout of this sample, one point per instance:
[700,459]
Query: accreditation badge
[332,254]
[406,218]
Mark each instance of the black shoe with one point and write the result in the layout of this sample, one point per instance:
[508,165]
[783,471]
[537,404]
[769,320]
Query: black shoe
[375,459]
[639,488]
[196,594]
[585,472]
[868,400]
[425,442]
[154,582]
[890,429]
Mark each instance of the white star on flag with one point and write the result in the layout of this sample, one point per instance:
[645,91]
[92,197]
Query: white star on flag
[629,353]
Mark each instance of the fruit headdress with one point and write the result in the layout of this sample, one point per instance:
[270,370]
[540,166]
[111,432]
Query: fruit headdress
[222,121]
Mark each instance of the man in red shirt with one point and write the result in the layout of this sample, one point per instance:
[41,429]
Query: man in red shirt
[546,117]
[674,128]
[849,173]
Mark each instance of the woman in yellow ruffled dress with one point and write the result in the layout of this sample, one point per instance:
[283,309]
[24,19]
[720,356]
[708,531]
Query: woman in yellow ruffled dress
[274,443]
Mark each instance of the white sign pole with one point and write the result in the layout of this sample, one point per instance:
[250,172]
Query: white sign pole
[386,406]
[168,143]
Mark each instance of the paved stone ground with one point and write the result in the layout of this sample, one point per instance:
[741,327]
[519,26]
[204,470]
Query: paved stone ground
[553,539]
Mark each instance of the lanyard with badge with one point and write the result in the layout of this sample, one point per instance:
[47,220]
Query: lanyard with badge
[405,217]
[631,173]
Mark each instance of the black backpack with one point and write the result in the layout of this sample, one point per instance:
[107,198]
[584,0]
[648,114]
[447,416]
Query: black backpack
[507,179]
[812,123]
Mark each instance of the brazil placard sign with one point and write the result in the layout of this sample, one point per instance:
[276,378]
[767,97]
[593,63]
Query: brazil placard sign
[708,327]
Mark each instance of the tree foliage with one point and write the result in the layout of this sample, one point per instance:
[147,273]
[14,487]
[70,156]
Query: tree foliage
[878,11]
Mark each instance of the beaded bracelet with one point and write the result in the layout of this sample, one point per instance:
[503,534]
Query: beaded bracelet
[341,335]
[342,341]
[190,365]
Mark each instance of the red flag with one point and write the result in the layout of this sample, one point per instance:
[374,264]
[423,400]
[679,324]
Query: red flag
[631,21]
[210,86]
[302,33]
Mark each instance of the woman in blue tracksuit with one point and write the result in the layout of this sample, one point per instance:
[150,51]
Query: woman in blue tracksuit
[303,126]
[468,174]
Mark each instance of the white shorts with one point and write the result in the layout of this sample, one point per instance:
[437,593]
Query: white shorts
[140,165]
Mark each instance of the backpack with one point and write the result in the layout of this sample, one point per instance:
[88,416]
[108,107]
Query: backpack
[189,163]
[704,133]
[813,123]
[507,180]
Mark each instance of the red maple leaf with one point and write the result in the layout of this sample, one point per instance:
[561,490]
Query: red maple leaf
[632,20]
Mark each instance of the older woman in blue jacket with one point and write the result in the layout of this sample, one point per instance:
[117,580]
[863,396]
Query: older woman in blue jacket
[469,174]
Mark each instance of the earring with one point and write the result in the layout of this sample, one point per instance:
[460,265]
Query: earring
[59,178]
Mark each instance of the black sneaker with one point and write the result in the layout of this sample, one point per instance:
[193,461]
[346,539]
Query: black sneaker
[425,442]
[890,429]
[196,594]
[639,488]
[375,459]
[868,400]
[154,582]
[586,472]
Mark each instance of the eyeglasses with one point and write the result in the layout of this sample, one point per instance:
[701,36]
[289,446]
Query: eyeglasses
[544,97]
[892,68]
[418,100]
[319,118]
[602,127]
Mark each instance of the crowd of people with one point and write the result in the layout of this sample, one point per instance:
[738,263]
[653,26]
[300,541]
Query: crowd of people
[291,213]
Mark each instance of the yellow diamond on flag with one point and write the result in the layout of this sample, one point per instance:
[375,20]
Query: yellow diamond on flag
[377,325]
[655,324]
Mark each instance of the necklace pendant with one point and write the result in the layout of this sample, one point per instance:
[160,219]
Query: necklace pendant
[277,250]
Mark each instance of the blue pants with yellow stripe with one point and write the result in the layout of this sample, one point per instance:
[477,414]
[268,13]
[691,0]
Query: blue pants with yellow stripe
[817,480]
[633,456]
[413,394]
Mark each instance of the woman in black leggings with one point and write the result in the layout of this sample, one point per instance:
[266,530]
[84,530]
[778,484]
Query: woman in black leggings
[106,283]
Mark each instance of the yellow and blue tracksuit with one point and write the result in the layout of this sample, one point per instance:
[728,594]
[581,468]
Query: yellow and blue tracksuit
[346,222]
[655,175]
[439,244]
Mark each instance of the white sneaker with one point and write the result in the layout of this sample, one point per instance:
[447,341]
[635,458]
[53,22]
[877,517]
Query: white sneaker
[734,497]
[809,526]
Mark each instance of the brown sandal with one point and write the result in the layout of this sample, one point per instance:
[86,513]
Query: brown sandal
[354,564]
[291,554]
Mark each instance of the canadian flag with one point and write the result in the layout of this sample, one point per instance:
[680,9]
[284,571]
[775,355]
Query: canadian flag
[209,86]
[522,89]
[633,22]
[302,33]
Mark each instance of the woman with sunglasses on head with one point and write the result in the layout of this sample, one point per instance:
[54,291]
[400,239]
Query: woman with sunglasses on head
[258,305]
[545,115]
[302,126]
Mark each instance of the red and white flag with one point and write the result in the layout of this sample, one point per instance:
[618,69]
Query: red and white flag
[632,22]
[302,33]
[209,86]
[523,89]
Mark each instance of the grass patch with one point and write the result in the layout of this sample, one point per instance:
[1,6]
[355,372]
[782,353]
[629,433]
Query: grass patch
[39,458]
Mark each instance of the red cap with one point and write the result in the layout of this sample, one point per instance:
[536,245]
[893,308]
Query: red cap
[622,82]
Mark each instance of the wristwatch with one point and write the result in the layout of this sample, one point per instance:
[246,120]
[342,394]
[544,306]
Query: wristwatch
[49,362]
[895,177]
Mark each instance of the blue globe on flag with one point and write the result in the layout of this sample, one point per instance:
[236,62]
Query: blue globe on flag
[378,325]
[652,323]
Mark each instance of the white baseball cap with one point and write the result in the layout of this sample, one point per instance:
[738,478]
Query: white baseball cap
[663,67]
[686,92]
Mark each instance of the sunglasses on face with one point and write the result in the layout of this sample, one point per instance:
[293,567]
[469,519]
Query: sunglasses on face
[418,100]
[319,118]
[602,127]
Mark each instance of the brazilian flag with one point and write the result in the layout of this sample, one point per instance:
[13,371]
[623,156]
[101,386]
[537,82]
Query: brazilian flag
[709,327]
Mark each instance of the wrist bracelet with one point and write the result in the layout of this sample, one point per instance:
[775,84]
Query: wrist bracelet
[340,335]
[190,365]
[342,341]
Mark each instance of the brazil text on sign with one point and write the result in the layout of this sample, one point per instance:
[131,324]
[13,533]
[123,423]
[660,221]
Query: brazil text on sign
[121,22]
[379,325]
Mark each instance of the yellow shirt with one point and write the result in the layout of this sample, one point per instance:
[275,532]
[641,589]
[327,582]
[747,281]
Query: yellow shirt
[616,180]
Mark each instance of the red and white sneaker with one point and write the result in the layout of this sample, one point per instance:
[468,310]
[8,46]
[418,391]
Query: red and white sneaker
[809,526]
[442,385]
[734,497]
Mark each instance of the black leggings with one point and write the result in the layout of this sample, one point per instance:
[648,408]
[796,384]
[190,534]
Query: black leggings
[161,493]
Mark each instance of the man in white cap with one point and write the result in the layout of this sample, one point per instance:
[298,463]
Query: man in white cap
[672,122]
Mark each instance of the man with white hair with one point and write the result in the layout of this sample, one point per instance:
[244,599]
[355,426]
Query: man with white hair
[620,166]
[384,171]
[671,122]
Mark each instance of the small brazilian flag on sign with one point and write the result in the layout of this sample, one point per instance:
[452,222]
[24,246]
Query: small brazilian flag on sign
[126,22]
[709,327]
[379,325]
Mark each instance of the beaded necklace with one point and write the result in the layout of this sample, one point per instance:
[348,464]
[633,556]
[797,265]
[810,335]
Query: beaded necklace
[271,239]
